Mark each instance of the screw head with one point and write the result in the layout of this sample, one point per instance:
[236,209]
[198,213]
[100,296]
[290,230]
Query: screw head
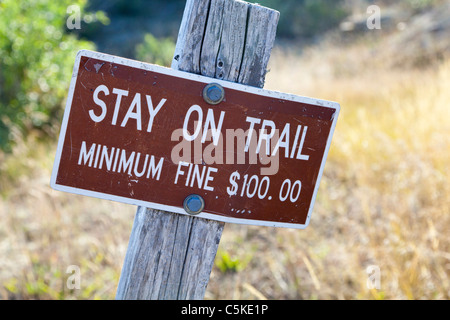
[213,93]
[193,204]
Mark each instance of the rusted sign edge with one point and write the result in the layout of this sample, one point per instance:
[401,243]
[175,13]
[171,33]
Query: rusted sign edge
[205,80]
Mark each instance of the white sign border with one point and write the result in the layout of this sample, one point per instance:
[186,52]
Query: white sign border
[198,78]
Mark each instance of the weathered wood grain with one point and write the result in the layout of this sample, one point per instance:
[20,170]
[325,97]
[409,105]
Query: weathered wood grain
[211,38]
[229,56]
[258,45]
[192,28]
[170,256]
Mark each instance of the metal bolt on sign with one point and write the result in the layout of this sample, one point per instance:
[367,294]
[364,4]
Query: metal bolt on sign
[213,93]
[193,204]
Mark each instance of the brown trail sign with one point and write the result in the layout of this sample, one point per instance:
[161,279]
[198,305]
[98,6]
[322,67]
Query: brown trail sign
[138,133]
[188,144]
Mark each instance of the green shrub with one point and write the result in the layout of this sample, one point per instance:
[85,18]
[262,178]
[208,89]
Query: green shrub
[156,51]
[227,264]
[37,54]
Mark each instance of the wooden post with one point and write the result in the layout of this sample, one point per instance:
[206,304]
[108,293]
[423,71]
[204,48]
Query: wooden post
[170,256]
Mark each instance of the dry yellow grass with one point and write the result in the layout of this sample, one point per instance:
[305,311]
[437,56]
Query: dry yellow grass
[385,196]
[384,200]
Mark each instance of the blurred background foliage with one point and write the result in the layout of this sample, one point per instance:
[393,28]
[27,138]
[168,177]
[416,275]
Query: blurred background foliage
[36,60]
[154,50]
[38,49]
[307,18]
